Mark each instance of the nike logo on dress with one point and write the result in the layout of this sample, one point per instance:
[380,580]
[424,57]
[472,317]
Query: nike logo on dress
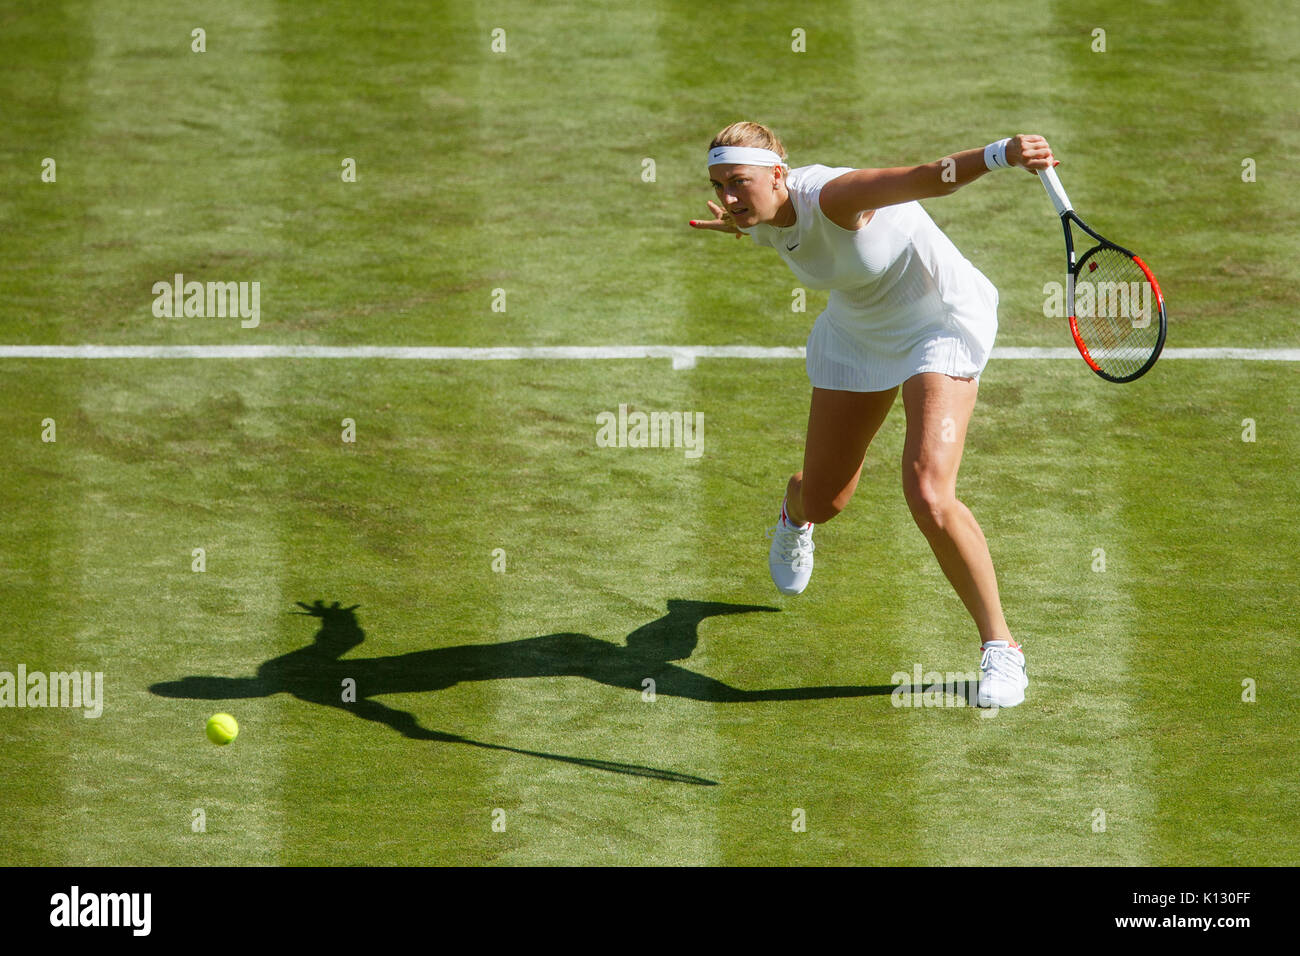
[792,248]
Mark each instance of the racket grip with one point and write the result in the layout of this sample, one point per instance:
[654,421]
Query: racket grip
[1055,192]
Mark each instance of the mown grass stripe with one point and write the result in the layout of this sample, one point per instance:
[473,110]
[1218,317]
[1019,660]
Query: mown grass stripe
[174,118]
[45,50]
[620,536]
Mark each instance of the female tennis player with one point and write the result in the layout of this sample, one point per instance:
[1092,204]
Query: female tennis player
[906,312]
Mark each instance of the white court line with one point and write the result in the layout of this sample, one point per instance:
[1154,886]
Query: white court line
[428,353]
[682,356]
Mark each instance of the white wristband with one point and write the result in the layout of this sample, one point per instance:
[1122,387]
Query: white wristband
[995,155]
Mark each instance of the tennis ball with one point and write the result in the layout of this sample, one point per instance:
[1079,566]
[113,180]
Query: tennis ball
[222,728]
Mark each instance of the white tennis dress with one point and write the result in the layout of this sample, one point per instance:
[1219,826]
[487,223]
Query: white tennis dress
[903,300]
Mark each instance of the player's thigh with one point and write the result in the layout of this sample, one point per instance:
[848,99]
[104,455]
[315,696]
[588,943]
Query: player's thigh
[840,427]
[938,409]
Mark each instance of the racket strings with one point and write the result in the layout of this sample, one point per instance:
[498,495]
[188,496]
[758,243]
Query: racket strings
[1116,311]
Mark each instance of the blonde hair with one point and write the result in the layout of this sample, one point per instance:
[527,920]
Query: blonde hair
[749,134]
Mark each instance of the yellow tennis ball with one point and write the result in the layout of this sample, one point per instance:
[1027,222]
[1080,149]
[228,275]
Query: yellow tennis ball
[222,728]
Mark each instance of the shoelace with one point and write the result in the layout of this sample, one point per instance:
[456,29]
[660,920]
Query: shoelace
[796,547]
[1001,663]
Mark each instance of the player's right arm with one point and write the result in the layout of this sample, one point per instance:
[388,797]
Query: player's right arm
[847,197]
[721,221]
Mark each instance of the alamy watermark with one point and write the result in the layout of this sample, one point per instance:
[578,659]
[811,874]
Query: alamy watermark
[923,688]
[75,908]
[213,300]
[626,429]
[81,689]
[1101,300]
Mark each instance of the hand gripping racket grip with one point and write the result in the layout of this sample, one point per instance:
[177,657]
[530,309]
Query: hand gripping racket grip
[1054,190]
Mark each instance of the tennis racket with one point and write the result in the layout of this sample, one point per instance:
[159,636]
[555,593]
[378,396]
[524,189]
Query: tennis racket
[1117,314]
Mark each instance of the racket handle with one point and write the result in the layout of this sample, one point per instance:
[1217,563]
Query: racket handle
[1052,183]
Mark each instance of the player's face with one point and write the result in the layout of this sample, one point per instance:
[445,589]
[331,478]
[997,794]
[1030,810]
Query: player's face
[750,194]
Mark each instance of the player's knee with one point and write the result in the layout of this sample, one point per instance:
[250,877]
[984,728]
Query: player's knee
[930,502]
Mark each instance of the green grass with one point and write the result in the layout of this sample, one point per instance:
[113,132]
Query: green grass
[521,171]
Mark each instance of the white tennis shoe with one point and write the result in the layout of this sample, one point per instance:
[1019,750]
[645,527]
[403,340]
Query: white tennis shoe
[790,559]
[1002,675]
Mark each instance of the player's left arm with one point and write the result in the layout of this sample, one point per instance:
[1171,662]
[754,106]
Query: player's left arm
[846,197]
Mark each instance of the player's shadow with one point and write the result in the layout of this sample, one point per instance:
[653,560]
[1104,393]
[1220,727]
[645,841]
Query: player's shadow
[316,673]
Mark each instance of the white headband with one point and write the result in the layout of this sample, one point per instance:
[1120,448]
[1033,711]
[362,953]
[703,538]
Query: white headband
[744,155]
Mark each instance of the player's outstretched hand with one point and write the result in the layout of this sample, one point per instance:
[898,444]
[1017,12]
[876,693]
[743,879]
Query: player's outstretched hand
[1031,153]
[721,221]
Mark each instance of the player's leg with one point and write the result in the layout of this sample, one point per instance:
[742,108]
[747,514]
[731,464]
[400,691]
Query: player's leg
[938,410]
[840,427]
